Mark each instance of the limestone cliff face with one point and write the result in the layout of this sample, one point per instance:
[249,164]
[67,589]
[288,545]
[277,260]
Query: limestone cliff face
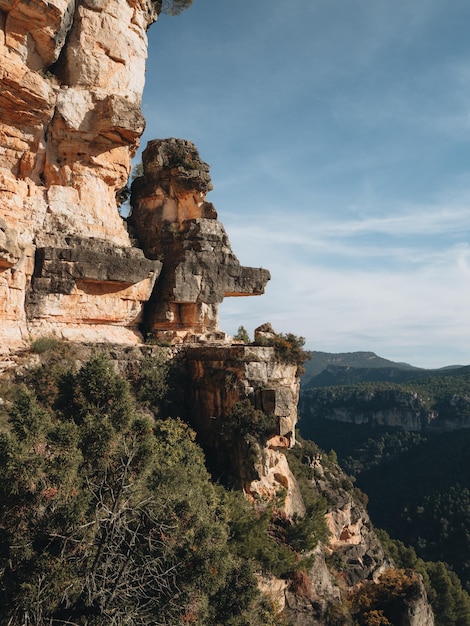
[351,558]
[72,76]
[174,222]
[219,377]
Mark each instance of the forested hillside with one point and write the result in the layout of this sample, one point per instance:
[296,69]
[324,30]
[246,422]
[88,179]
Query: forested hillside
[343,368]
[439,401]
[326,369]
[108,514]
[417,481]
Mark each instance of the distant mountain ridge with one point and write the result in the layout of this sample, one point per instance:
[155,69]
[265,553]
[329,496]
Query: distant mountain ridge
[326,369]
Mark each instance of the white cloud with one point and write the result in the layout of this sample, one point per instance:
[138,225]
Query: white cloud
[407,302]
[336,132]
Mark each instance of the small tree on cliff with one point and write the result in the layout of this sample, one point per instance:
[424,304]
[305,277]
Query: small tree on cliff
[242,335]
[175,7]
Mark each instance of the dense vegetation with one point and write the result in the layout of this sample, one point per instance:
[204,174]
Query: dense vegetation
[418,483]
[289,348]
[351,368]
[436,401]
[451,603]
[109,516]
[418,489]
[429,486]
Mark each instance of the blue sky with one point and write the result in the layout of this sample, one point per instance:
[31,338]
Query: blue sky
[338,134]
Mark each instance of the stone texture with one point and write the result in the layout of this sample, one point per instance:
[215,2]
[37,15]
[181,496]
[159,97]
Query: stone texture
[89,282]
[173,221]
[72,76]
[219,377]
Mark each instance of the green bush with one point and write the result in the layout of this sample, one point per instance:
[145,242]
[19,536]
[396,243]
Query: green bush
[173,7]
[107,516]
[242,335]
[253,537]
[385,602]
[449,601]
[44,344]
[149,379]
[288,348]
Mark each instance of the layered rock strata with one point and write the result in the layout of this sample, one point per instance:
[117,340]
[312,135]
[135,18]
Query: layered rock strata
[72,76]
[174,223]
[89,288]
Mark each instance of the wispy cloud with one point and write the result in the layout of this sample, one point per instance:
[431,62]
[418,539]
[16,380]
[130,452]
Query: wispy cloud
[337,133]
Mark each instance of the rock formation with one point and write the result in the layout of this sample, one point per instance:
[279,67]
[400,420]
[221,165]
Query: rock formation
[72,80]
[175,223]
[218,378]
[72,76]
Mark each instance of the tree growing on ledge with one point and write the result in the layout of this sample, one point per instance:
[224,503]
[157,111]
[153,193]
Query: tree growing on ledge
[175,7]
[242,335]
[288,348]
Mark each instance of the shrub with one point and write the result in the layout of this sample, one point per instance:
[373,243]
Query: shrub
[44,344]
[242,335]
[149,379]
[386,601]
[288,348]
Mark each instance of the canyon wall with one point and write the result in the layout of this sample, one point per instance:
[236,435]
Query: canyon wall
[72,76]
[413,409]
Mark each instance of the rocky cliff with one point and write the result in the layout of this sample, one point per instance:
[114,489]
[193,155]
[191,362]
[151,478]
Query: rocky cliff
[72,80]
[434,405]
[383,407]
[72,75]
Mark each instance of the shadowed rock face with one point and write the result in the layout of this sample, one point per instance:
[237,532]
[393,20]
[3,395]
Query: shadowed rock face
[174,223]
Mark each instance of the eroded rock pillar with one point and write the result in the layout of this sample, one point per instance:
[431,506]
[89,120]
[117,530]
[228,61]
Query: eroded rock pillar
[175,224]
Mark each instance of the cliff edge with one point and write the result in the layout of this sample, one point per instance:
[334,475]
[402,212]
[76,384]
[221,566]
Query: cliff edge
[72,76]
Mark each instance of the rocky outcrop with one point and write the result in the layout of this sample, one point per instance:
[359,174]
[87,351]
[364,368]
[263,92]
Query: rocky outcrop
[418,610]
[77,289]
[72,76]
[219,377]
[351,561]
[175,223]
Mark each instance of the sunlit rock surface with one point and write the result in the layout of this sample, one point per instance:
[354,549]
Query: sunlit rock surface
[72,76]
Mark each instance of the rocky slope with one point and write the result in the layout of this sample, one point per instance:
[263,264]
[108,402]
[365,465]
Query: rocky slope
[212,381]
[72,75]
